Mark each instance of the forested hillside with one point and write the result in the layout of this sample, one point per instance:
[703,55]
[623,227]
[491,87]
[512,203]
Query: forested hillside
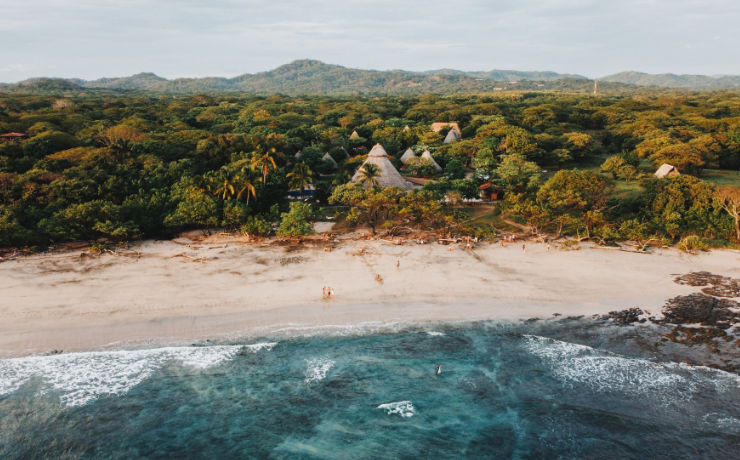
[123,167]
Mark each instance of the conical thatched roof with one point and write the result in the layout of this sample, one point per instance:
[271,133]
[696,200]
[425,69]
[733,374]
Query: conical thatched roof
[354,135]
[666,170]
[406,128]
[388,176]
[452,135]
[407,155]
[428,156]
[329,158]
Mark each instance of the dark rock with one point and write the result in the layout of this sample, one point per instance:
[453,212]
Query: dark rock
[625,317]
[717,285]
[701,309]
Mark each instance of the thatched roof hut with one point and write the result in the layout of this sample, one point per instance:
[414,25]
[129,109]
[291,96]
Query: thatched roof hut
[406,128]
[389,176]
[452,135]
[428,156]
[329,158]
[666,170]
[438,126]
[407,155]
[354,135]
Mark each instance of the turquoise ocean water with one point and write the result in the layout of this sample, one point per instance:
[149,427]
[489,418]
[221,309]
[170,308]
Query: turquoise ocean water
[556,389]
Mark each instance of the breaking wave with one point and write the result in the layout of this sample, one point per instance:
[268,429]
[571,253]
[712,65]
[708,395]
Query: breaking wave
[404,409]
[606,373]
[82,377]
[317,369]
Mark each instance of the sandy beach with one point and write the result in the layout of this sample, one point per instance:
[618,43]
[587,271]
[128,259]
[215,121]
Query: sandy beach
[215,287]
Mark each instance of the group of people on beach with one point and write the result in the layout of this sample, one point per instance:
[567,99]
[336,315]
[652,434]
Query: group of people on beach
[327,292]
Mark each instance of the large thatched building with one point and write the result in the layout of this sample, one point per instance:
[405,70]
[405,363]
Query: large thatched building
[438,126]
[388,175]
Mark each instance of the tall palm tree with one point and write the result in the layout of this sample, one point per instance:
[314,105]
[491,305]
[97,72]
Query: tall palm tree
[300,177]
[264,162]
[246,183]
[221,184]
[369,173]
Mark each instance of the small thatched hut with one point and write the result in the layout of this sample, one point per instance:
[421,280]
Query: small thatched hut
[407,155]
[428,156]
[354,135]
[329,158]
[452,136]
[389,176]
[666,170]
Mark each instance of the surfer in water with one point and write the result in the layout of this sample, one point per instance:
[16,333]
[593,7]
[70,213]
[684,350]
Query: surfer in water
[439,369]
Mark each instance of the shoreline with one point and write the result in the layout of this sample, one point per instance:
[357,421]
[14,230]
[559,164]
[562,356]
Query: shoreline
[181,290]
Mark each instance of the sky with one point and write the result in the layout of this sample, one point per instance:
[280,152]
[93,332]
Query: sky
[194,38]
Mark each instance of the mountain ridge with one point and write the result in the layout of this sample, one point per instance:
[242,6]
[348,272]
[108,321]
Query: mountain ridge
[309,76]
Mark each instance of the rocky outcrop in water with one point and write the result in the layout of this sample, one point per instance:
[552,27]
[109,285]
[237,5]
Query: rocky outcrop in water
[625,317]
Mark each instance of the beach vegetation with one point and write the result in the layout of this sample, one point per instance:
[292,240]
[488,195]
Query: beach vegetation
[121,166]
[297,221]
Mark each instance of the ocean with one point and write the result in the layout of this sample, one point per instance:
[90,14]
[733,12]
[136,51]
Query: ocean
[565,388]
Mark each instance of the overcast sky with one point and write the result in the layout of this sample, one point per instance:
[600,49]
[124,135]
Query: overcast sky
[187,38]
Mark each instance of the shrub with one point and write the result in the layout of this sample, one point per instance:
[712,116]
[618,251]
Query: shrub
[256,226]
[692,243]
[297,221]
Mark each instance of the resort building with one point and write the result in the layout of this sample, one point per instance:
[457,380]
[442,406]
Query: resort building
[388,175]
[666,170]
[428,156]
[407,155]
[452,136]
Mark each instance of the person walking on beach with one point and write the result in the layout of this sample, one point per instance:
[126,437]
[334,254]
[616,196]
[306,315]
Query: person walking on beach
[323,292]
[524,247]
[398,264]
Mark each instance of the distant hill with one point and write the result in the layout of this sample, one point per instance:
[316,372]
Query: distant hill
[315,77]
[670,80]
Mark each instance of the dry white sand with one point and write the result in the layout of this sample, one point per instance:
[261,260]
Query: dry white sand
[226,287]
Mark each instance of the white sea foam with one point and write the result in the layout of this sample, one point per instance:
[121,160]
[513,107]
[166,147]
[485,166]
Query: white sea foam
[402,408]
[317,369]
[435,333]
[605,373]
[82,377]
[255,347]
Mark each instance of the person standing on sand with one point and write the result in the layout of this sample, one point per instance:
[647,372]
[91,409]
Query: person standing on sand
[323,292]
[398,264]
[524,247]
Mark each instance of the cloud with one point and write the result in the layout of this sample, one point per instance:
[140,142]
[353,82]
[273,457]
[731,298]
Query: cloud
[94,38]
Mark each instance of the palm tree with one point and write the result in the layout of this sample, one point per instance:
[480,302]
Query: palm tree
[244,180]
[220,184]
[300,177]
[369,173]
[263,163]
